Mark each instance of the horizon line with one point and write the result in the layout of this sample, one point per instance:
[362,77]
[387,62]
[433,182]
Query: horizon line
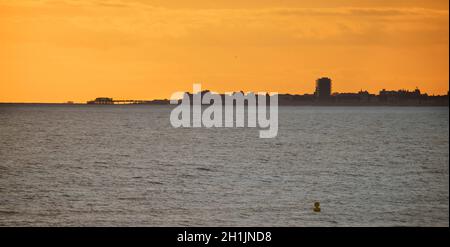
[167,99]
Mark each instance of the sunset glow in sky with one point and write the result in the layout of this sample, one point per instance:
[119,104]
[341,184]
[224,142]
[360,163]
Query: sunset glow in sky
[61,50]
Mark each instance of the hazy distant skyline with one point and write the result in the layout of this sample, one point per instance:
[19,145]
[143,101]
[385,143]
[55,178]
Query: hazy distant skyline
[59,50]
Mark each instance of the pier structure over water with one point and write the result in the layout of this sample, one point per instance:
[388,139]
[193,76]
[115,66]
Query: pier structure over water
[111,101]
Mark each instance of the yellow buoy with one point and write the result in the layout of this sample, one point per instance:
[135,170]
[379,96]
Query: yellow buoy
[316,207]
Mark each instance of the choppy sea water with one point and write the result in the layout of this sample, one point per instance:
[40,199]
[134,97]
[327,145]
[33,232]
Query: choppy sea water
[126,166]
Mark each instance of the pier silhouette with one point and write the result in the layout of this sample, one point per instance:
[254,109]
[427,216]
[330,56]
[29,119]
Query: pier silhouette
[111,101]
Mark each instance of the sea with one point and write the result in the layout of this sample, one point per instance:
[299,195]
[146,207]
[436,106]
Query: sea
[125,165]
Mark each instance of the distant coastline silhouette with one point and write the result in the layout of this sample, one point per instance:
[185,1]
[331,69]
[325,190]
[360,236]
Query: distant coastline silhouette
[323,96]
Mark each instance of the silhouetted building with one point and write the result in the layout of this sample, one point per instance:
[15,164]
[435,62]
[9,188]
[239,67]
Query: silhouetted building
[102,101]
[323,88]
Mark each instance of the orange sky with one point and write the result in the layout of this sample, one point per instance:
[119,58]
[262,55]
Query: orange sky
[61,50]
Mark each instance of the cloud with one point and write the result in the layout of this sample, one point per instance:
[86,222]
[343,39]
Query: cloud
[130,22]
